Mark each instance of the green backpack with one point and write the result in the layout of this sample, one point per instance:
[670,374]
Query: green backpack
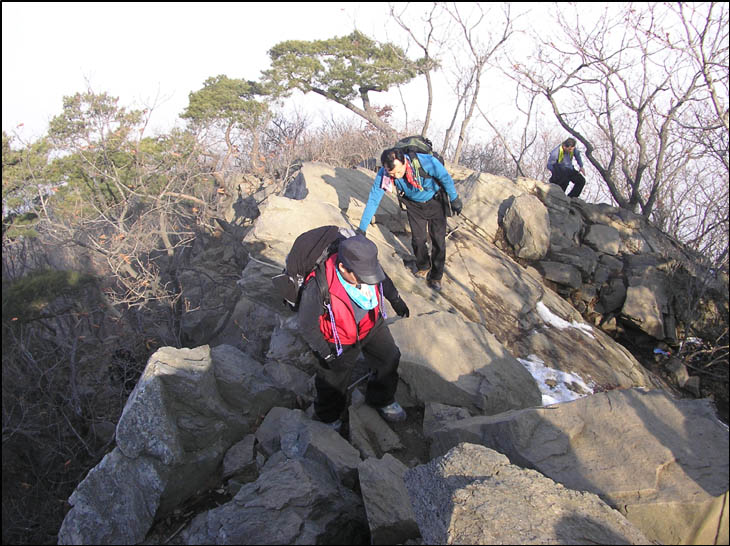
[418,144]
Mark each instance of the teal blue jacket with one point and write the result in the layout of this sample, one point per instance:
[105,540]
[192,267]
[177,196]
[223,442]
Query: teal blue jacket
[437,175]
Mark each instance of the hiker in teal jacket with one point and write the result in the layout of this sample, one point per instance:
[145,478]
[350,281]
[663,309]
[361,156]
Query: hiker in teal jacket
[425,211]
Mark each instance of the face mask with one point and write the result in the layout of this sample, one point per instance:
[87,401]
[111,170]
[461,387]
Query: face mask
[365,296]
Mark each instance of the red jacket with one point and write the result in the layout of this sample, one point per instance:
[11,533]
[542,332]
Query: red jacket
[348,332]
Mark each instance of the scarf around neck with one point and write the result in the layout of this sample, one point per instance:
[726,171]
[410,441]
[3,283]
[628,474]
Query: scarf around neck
[387,182]
[561,155]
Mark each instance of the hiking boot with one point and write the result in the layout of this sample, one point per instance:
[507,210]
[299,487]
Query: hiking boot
[434,284]
[392,412]
[335,425]
[421,273]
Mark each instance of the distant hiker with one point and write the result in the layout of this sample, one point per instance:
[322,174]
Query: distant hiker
[354,322]
[426,214]
[560,164]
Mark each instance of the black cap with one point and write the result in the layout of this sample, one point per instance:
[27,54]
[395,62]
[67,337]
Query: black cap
[360,255]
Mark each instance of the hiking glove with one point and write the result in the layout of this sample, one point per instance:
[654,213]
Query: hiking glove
[400,307]
[456,206]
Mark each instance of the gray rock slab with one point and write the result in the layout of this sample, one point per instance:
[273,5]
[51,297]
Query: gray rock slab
[386,501]
[661,462]
[583,258]
[604,239]
[298,437]
[560,273]
[240,458]
[369,433]
[466,366]
[294,502]
[473,495]
[116,502]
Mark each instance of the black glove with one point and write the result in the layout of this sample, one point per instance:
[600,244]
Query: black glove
[358,231]
[456,206]
[400,307]
[326,361]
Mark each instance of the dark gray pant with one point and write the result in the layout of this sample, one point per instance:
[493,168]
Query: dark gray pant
[382,356]
[563,177]
[427,219]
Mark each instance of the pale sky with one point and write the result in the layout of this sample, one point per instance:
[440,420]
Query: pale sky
[158,53]
[147,52]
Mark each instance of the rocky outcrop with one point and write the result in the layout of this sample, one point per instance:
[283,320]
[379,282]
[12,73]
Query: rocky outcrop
[295,501]
[610,262]
[188,408]
[635,449]
[473,495]
[474,357]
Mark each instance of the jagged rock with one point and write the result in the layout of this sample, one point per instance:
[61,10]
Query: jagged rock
[486,198]
[481,284]
[600,213]
[240,460]
[605,239]
[613,295]
[245,385]
[369,433]
[299,437]
[473,495]
[560,273]
[677,371]
[458,348]
[645,306]
[116,502]
[633,448]
[294,502]
[565,229]
[267,434]
[388,507]
[583,258]
[187,409]
[554,198]
[527,227]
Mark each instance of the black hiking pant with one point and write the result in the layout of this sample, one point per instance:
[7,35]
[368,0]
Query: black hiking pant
[562,177]
[382,356]
[428,219]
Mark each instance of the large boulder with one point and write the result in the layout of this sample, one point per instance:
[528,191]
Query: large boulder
[297,501]
[187,409]
[661,462]
[473,495]
[467,367]
[527,227]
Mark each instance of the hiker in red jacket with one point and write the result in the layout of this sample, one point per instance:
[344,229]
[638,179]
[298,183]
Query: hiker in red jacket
[355,322]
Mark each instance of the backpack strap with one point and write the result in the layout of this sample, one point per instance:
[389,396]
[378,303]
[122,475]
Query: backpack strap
[320,277]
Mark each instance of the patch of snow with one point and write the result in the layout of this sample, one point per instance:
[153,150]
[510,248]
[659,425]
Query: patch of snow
[555,386]
[554,320]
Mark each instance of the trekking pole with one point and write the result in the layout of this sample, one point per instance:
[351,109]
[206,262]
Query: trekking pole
[452,230]
[263,263]
[363,378]
[477,227]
